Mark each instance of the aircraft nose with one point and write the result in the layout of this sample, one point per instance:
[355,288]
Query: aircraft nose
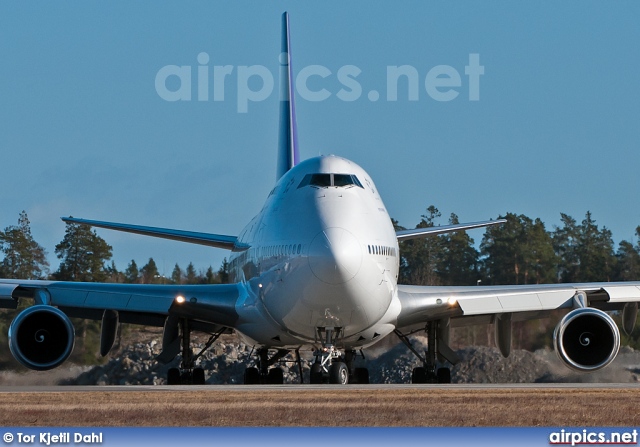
[335,255]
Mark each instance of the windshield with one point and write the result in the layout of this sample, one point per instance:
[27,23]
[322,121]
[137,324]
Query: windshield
[325,180]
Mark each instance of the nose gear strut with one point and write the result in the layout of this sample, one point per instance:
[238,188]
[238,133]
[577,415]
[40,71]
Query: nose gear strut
[330,365]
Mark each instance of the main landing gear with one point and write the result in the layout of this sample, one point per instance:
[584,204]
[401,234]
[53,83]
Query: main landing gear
[263,373]
[437,349]
[188,373]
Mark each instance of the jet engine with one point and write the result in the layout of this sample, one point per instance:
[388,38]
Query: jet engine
[41,337]
[586,339]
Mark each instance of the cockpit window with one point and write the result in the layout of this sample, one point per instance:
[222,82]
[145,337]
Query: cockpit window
[320,180]
[325,180]
[342,180]
[346,180]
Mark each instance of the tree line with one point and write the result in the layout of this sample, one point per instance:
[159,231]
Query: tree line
[521,251]
[84,256]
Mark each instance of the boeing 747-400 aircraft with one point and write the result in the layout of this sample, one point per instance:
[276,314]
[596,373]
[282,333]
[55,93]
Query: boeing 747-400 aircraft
[316,269]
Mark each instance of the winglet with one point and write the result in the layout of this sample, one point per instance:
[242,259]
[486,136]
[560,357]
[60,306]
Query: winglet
[288,155]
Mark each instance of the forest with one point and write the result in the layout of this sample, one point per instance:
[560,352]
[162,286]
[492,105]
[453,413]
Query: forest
[521,251]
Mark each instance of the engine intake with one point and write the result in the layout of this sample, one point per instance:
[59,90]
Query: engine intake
[41,337]
[587,339]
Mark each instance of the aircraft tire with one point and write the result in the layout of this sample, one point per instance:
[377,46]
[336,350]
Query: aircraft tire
[186,378]
[198,376]
[315,374]
[419,375]
[275,376]
[173,376]
[251,376]
[444,375]
[361,376]
[338,373]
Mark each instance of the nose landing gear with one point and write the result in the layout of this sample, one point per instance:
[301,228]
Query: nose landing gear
[328,365]
[332,365]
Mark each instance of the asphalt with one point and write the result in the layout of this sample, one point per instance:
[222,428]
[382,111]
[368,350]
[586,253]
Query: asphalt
[306,387]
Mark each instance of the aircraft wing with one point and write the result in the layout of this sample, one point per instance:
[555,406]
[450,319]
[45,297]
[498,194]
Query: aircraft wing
[480,304]
[43,335]
[210,240]
[148,304]
[404,235]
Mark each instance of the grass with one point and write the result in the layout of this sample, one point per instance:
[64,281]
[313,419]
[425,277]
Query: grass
[348,407]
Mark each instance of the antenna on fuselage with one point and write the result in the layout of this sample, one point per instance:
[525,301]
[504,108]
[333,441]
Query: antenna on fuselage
[288,155]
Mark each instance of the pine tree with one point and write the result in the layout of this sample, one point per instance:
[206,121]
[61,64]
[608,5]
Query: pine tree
[115,276]
[518,252]
[565,244]
[150,272]
[131,274]
[502,249]
[223,272]
[83,254]
[24,258]
[542,262]
[210,276]
[628,264]
[420,256]
[586,252]
[191,275]
[457,264]
[176,275]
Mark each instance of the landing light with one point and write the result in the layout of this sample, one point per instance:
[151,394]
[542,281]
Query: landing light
[180,299]
[452,301]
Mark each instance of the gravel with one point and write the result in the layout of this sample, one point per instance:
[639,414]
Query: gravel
[225,364]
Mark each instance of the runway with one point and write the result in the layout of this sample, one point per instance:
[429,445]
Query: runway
[308,387]
[580,405]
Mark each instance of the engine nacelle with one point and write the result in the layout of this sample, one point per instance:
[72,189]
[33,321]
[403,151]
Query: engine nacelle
[586,339]
[41,337]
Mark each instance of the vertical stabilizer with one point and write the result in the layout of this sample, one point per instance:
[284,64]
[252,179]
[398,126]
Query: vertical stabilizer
[288,139]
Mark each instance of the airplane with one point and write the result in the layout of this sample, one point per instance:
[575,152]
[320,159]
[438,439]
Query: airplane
[317,268]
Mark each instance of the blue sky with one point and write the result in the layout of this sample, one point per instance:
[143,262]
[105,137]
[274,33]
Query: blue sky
[84,132]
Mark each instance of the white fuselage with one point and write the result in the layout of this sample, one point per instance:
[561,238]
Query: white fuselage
[322,253]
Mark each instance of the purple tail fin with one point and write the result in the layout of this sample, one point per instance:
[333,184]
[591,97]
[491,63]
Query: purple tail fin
[288,155]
